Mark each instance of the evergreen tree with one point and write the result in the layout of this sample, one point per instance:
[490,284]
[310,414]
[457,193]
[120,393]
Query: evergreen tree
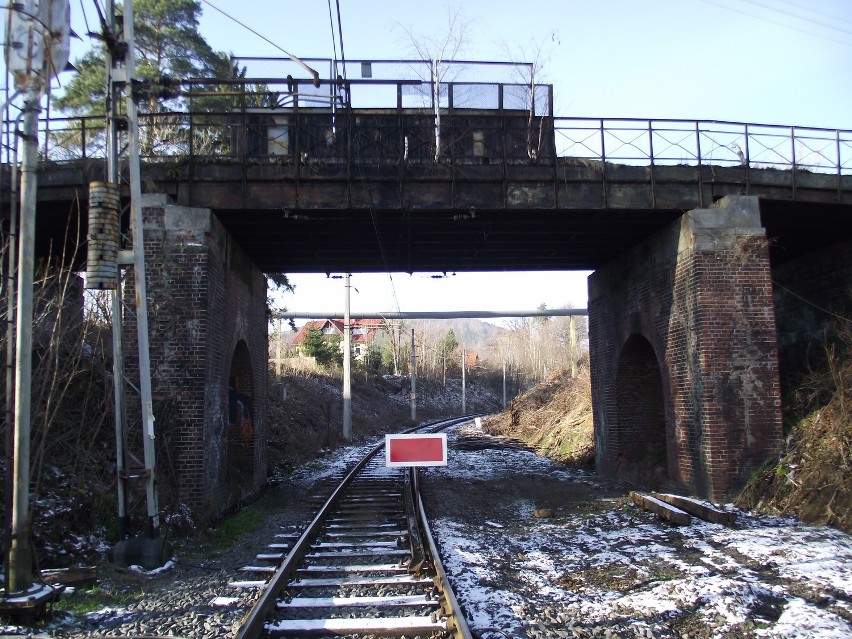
[167,46]
[448,344]
[446,347]
[325,350]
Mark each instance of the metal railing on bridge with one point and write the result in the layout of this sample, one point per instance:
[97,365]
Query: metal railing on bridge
[401,111]
[619,141]
[695,142]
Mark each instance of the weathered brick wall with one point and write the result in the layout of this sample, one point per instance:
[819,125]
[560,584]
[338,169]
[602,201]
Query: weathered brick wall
[205,298]
[812,295]
[699,294]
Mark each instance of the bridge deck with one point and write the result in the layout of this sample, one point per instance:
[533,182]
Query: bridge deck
[360,190]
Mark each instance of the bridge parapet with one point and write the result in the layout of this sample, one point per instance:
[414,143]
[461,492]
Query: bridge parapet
[406,112]
[315,158]
[600,160]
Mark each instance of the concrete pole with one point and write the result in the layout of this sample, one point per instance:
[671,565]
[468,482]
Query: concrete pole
[20,574]
[11,298]
[139,279]
[464,388]
[504,384]
[347,368]
[573,329]
[413,381]
[279,351]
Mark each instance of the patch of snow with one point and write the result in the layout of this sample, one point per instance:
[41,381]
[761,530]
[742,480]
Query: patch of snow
[169,565]
[802,620]
[615,564]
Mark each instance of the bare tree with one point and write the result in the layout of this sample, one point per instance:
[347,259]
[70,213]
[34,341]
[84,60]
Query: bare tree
[439,49]
[71,379]
[537,54]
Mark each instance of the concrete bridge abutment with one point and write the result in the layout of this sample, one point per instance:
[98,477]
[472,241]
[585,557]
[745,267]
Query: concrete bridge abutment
[209,351]
[685,381]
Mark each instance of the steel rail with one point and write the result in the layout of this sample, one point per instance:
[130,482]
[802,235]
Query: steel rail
[253,623]
[456,621]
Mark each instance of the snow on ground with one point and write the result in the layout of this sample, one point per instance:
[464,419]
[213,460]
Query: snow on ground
[603,563]
[599,567]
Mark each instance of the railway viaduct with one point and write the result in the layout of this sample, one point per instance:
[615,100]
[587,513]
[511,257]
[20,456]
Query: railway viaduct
[720,255]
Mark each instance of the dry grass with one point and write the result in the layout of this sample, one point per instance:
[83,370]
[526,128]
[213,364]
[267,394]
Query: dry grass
[554,417]
[812,478]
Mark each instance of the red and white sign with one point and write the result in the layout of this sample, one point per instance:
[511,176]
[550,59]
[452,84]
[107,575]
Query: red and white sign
[416,450]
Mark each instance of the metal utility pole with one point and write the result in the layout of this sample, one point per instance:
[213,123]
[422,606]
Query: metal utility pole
[413,381]
[139,276]
[347,368]
[119,400]
[121,71]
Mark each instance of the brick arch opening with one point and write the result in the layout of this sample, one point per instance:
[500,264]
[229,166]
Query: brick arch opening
[240,428]
[640,411]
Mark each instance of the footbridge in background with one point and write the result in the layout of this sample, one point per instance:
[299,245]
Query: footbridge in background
[720,250]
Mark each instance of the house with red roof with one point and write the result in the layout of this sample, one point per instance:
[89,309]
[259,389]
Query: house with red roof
[364,333]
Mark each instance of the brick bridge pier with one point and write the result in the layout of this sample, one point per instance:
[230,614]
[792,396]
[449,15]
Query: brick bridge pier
[209,347]
[685,376]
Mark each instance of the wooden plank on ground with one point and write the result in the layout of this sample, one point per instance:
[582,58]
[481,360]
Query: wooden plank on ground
[79,577]
[661,508]
[699,509]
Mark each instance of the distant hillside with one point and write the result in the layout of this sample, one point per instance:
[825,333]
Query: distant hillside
[475,335]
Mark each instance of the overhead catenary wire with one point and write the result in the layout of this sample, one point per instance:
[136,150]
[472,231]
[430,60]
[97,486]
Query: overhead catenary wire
[828,312]
[823,14]
[85,16]
[267,40]
[798,17]
[333,37]
[719,5]
[340,36]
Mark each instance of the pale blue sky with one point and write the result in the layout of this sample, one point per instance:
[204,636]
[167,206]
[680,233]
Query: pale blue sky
[740,60]
[761,61]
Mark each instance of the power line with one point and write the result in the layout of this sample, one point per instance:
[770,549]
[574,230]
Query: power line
[775,22]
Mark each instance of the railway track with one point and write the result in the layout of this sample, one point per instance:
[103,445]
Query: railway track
[366,565]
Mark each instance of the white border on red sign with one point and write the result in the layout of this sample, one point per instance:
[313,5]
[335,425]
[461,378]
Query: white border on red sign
[441,436]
